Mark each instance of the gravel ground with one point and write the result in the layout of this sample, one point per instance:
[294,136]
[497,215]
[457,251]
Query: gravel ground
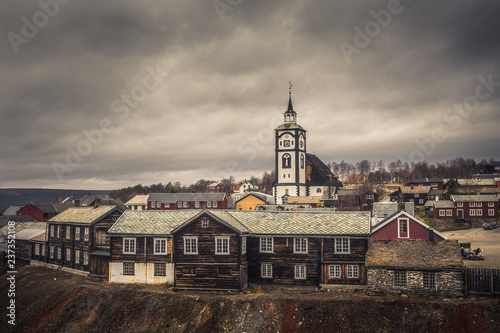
[488,240]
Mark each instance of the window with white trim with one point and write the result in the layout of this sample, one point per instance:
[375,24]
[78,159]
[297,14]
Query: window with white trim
[160,269]
[129,245]
[300,272]
[59,253]
[52,230]
[441,212]
[85,257]
[460,204]
[417,195]
[209,204]
[204,223]
[429,280]
[491,212]
[86,234]
[479,204]
[472,204]
[472,212]
[190,244]
[160,246]
[77,256]
[352,271]
[68,232]
[68,254]
[185,204]
[334,272]
[479,212]
[128,268]
[196,204]
[448,212]
[153,204]
[342,245]
[221,244]
[399,278]
[266,244]
[491,204]
[58,231]
[421,201]
[43,250]
[214,204]
[179,204]
[266,271]
[51,252]
[300,245]
[37,249]
[77,233]
[243,245]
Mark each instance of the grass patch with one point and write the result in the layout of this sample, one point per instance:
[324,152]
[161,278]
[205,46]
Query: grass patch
[421,216]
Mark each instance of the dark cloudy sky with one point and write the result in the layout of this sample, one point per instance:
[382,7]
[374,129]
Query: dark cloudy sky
[106,94]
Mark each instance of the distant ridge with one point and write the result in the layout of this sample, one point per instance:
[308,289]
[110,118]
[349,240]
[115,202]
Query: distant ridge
[23,196]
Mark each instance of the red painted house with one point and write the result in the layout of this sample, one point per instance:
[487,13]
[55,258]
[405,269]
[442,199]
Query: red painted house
[470,207]
[215,188]
[404,226]
[174,201]
[41,212]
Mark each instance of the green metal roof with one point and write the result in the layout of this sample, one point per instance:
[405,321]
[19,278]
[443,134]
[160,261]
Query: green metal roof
[290,126]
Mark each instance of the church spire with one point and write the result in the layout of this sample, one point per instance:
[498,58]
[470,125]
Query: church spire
[290,114]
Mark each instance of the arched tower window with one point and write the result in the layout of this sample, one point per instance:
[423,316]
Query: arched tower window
[318,190]
[287,161]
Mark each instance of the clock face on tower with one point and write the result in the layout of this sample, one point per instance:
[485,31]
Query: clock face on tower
[287,143]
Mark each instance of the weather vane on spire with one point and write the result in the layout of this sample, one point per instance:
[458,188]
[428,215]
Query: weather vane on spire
[290,88]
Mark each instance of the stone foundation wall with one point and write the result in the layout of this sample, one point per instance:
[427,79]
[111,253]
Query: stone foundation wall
[447,283]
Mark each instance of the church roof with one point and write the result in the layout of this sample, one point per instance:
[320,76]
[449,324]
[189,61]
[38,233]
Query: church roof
[290,126]
[320,172]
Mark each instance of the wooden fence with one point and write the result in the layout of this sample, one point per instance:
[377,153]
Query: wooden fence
[482,281]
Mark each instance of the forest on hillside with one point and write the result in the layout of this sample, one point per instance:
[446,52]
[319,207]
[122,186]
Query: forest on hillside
[363,172]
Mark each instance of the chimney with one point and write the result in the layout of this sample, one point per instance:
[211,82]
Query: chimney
[77,202]
[60,198]
[431,235]
[375,219]
[97,202]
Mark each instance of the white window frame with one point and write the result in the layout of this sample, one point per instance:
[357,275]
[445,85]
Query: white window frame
[300,272]
[37,249]
[417,195]
[214,204]
[59,253]
[209,204]
[407,227]
[185,204]
[86,257]
[442,212]
[472,204]
[52,232]
[460,204]
[334,272]
[68,254]
[196,204]
[43,250]
[264,245]
[491,204]
[420,201]
[179,204]
[77,233]
[352,271]
[222,244]
[449,212]
[491,212]
[157,246]
[243,245]
[479,204]
[153,204]
[205,223]
[86,234]
[300,245]
[51,252]
[188,248]
[472,212]
[266,271]
[58,231]
[68,232]
[77,256]
[479,212]
[129,245]
[341,246]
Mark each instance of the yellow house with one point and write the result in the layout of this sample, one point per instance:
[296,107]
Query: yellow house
[250,201]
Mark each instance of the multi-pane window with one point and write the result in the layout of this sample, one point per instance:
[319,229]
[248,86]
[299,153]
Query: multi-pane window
[58,231]
[491,204]
[352,271]
[266,244]
[52,230]
[204,223]
[300,272]
[86,234]
[403,227]
[300,245]
[160,269]
[472,212]
[441,212]
[214,204]
[185,204]
[77,233]
[342,245]
[77,256]
[491,212]
[334,271]
[129,245]
[222,245]
[479,212]
[68,254]
[43,250]
[37,249]
[209,204]
[243,245]
[460,204]
[85,257]
[160,246]
[266,270]
[399,278]
[51,251]
[197,204]
[128,268]
[190,245]
[59,253]
[429,280]
[153,204]
[448,212]
[179,204]
[472,204]
[479,204]
[68,232]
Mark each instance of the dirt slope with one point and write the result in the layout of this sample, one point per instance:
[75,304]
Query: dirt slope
[53,301]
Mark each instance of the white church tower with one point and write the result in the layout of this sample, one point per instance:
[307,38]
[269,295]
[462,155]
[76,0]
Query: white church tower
[290,158]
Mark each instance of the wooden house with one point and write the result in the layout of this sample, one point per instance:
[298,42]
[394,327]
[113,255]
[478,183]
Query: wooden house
[175,201]
[476,207]
[215,187]
[250,201]
[138,202]
[404,226]
[367,199]
[434,183]
[41,212]
[416,194]
[77,238]
[415,267]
